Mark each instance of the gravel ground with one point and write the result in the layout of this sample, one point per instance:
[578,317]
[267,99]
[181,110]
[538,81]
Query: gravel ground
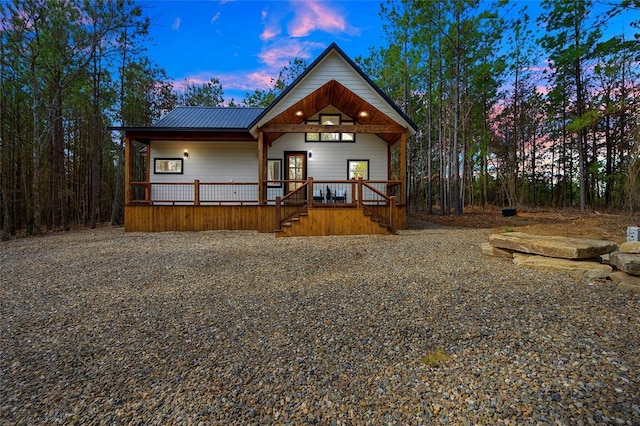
[105,326]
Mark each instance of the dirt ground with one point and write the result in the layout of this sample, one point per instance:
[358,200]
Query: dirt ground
[570,223]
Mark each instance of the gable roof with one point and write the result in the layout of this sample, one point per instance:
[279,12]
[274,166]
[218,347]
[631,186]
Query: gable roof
[333,47]
[209,118]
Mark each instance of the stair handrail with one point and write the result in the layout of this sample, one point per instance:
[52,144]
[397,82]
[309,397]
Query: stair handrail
[391,201]
[279,200]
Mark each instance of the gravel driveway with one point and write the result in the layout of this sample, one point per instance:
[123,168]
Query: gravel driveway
[104,326]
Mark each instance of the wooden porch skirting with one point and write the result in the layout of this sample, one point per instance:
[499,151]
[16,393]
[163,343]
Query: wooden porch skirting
[325,221]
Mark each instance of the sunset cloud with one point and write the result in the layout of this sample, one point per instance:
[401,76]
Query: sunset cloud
[271,26]
[312,15]
[278,54]
[269,33]
[231,82]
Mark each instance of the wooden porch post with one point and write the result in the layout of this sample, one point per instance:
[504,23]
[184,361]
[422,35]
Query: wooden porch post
[127,169]
[262,170]
[310,192]
[392,211]
[147,176]
[278,214]
[403,167]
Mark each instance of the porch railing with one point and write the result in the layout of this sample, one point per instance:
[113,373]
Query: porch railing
[377,198]
[194,193]
[217,193]
[361,194]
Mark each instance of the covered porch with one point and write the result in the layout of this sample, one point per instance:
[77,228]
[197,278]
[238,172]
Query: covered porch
[323,207]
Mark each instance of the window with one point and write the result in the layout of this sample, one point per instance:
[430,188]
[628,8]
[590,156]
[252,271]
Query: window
[348,137]
[357,169]
[167,165]
[330,120]
[312,137]
[274,172]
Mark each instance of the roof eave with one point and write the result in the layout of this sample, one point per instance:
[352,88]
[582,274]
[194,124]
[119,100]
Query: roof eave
[180,129]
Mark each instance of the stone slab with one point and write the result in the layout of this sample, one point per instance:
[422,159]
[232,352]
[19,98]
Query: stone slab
[490,250]
[552,246]
[626,262]
[620,277]
[630,247]
[581,268]
[630,287]
[625,281]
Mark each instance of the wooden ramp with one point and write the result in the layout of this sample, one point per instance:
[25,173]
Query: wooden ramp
[332,221]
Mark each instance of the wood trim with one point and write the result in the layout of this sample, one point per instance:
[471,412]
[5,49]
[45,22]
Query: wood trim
[262,170]
[403,167]
[127,169]
[148,164]
[316,128]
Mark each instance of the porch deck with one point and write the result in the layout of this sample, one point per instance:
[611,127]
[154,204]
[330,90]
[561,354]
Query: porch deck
[310,208]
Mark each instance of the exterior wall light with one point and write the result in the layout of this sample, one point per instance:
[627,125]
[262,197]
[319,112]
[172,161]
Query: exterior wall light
[310,155]
[186,154]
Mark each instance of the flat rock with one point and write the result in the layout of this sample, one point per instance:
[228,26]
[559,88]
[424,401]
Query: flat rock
[625,281]
[490,250]
[626,262]
[552,246]
[582,268]
[622,277]
[627,286]
[630,247]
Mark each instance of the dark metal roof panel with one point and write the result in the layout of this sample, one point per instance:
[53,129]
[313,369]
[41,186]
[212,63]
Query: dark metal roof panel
[209,118]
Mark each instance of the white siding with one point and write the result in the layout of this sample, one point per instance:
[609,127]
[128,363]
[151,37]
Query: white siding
[329,160]
[207,162]
[333,67]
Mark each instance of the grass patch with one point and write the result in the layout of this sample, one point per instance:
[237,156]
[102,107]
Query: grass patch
[435,358]
[508,229]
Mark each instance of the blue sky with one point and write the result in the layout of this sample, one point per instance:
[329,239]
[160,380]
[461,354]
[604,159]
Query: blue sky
[245,43]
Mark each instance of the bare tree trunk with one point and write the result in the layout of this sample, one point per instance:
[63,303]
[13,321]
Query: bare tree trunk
[96,151]
[34,209]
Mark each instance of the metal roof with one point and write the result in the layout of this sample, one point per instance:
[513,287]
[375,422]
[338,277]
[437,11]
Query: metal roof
[198,117]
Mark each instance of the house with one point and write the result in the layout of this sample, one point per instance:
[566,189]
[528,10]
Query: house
[318,161]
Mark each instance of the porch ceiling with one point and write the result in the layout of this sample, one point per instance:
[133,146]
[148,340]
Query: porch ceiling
[335,94]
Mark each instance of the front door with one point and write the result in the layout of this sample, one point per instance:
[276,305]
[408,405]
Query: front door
[295,169]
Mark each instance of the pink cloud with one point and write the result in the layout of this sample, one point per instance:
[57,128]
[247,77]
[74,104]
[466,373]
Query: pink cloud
[278,55]
[269,32]
[312,15]
[245,81]
[271,26]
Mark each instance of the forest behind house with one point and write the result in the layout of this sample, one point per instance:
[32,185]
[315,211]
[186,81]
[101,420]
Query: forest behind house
[511,110]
